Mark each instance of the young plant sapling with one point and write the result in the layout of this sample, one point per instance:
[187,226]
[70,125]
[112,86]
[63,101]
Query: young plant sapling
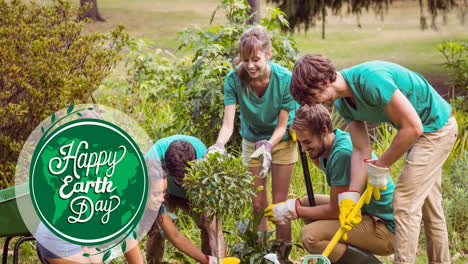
[218,185]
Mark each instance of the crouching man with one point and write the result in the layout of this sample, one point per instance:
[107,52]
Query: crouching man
[331,150]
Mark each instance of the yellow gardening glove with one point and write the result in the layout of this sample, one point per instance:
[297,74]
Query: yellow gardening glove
[347,201]
[228,260]
[373,192]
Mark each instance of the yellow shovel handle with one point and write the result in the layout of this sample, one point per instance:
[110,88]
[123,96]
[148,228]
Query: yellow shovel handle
[331,245]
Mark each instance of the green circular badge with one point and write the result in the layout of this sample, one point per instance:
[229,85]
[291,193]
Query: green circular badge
[88,182]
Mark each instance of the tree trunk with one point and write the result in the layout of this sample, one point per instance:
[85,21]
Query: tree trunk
[254,9]
[422,18]
[218,242]
[324,12]
[92,12]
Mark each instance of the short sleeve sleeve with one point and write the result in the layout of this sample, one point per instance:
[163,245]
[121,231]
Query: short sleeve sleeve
[162,209]
[154,154]
[230,96]
[378,88]
[339,167]
[288,103]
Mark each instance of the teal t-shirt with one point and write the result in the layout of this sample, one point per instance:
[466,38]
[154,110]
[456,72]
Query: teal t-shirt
[337,169]
[158,152]
[162,209]
[259,116]
[373,84]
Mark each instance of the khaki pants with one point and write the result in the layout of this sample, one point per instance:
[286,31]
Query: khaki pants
[418,197]
[155,243]
[371,235]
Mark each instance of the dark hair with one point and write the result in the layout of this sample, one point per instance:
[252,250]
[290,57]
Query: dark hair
[177,156]
[314,118]
[155,171]
[253,40]
[311,71]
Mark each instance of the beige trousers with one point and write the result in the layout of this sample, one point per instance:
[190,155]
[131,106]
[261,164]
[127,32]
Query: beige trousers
[418,197]
[371,235]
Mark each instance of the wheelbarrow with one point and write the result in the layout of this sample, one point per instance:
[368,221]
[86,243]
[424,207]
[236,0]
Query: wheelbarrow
[11,223]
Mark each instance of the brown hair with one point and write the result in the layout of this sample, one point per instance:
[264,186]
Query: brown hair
[155,171]
[314,118]
[311,71]
[253,40]
[178,154]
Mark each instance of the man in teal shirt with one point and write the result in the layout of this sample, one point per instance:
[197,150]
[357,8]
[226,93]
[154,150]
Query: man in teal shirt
[174,152]
[331,150]
[379,91]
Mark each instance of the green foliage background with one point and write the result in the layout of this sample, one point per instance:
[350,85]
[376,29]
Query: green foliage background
[46,63]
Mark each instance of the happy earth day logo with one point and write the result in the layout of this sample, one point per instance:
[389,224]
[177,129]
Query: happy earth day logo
[88,181]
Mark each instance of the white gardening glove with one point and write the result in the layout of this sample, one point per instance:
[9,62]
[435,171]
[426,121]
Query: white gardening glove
[378,177]
[212,260]
[283,213]
[218,147]
[263,153]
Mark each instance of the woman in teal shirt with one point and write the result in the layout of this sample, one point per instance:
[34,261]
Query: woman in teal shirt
[261,89]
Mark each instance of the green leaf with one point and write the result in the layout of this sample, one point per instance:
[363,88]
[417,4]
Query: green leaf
[70,108]
[86,254]
[106,256]
[98,249]
[42,130]
[52,118]
[124,246]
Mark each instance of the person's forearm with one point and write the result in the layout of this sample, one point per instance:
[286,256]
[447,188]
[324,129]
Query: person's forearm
[179,240]
[318,212]
[402,142]
[225,134]
[358,171]
[187,247]
[277,135]
[133,256]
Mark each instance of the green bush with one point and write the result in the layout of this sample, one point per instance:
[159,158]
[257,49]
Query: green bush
[454,202]
[456,56]
[219,186]
[46,63]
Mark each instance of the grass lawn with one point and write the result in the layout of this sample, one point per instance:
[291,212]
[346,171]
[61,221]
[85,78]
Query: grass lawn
[397,38]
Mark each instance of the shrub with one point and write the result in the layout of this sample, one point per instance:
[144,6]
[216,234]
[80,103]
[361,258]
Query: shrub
[456,56]
[219,186]
[46,63]
[454,202]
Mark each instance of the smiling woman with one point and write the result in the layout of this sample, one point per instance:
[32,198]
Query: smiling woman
[261,88]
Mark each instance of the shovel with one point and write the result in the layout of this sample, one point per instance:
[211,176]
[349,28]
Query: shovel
[323,258]
[305,170]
